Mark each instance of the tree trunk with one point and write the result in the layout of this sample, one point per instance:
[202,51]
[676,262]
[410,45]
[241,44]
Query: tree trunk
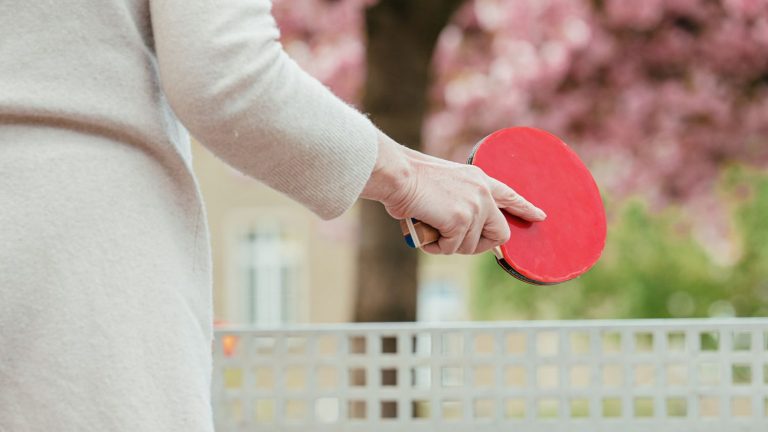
[401,38]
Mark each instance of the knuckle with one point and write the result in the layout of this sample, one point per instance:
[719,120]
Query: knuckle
[463,216]
[463,219]
[468,245]
[474,205]
[477,173]
[474,170]
[474,174]
[449,247]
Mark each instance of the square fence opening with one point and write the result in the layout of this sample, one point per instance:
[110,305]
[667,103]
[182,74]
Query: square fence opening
[709,341]
[327,410]
[514,408]
[484,409]
[263,346]
[709,406]
[452,376]
[741,406]
[296,346]
[357,377]
[516,343]
[388,409]
[613,375]
[677,407]
[484,344]
[421,409]
[233,377]
[580,343]
[357,409]
[421,344]
[676,341]
[547,344]
[644,375]
[548,408]
[296,410]
[389,345]
[611,342]
[515,376]
[327,346]
[643,407]
[421,377]
[548,377]
[742,341]
[579,408]
[677,375]
[453,410]
[389,377]
[644,342]
[741,374]
[452,344]
[296,377]
[611,407]
[264,410]
[263,377]
[484,376]
[357,344]
[327,377]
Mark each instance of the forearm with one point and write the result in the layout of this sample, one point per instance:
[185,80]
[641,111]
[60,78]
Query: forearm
[230,82]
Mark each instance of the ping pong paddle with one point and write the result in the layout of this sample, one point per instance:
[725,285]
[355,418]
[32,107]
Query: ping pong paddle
[544,170]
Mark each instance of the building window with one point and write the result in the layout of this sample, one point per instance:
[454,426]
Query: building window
[440,301]
[269,276]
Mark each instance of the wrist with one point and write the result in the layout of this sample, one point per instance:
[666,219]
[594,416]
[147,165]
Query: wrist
[392,174]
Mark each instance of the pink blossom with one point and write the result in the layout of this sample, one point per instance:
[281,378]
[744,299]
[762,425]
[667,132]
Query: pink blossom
[637,15]
[667,91]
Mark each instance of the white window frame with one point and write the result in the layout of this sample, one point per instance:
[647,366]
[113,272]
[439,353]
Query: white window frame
[290,235]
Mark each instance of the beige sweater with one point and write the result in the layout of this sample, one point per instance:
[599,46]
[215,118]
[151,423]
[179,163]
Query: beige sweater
[105,310]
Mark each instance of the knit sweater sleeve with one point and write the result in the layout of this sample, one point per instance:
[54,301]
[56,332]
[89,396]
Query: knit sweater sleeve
[227,78]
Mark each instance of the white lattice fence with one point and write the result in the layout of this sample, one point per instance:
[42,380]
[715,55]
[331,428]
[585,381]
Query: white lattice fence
[661,375]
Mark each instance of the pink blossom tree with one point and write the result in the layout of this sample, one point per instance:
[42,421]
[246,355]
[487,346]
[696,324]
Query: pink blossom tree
[656,95]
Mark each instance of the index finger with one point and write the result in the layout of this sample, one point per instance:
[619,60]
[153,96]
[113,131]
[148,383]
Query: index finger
[514,203]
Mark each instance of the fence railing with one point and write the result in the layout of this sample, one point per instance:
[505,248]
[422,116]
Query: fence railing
[650,375]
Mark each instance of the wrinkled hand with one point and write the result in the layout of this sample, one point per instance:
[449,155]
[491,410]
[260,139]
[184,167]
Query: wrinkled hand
[458,200]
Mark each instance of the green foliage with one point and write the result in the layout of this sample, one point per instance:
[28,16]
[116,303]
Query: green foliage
[652,267]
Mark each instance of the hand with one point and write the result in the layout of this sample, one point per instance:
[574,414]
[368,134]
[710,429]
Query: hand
[458,200]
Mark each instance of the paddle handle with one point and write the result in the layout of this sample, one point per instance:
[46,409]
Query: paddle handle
[417,234]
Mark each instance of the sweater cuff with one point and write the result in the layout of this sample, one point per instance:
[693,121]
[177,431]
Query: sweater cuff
[329,176]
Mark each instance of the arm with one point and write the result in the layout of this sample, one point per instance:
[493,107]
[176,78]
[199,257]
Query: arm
[229,81]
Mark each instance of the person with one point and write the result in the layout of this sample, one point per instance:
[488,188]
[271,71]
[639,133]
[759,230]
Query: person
[105,278]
